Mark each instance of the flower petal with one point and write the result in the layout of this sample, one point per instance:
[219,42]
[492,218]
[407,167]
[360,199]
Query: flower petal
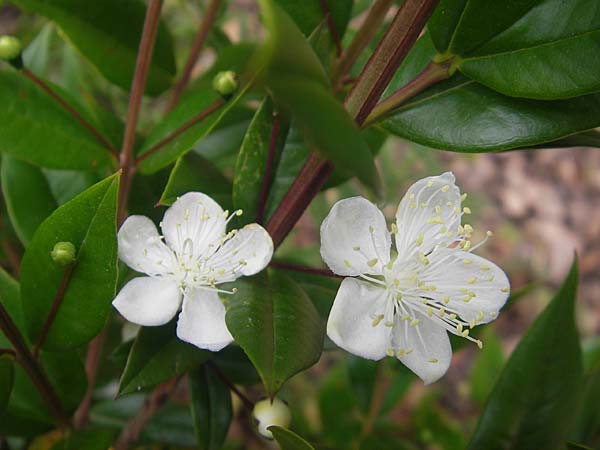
[472,286]
[350,323]
[429,210]
[246,253]
[425,348]
[354,238]
[193,223]
[148,301]
[202,320]
[142,249]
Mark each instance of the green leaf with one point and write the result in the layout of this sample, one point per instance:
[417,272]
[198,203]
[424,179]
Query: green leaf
[89,439]
[7,376]
[236,366]
[297,80]
[156,356]
[89,222]
[309,13]
[36,129]
[108,34]
[540,49]
[363,377]
[211,408]
[193,172]
[532,405]
[487,366]
[288,440]
[462,115]
[276,324]
[28,196]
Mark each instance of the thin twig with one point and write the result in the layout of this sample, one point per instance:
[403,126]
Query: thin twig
[248,404]
[190,123]
[92,362]
[7,351]
[266,182]
[205,26]
[99,137]
[335,35]
[154,402]
[311,270]
[34,370]
[60,293]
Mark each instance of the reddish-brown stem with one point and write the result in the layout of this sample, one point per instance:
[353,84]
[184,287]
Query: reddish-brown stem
[92,362]
[93,131]
[266,182]
[7,351]
[35,372]
[335,36]
[205,26]
[154,402]
[190,123]
[311,270]
[248,404]
[60,293]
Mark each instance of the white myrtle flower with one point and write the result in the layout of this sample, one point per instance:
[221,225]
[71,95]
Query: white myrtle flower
[403,305]
[196,256]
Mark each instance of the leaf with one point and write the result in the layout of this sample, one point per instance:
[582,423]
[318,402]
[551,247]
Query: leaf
[236,366]
[193,172]
[276,324]
[89,222]
[89,439]
[7,376]
[309,14]
[156,356]
[108,34]
[298,82]
[363,377]
[188,109]
[288,440]
[534,49]
[532,405]
[211,408]
[487,367]
[28,196]
[477,119]
[36,129]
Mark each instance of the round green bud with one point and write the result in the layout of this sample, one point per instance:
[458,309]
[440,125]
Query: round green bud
[225,83]
[10,47]
[268,413]
[63,253]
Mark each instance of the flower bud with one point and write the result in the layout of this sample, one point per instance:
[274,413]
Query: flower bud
[225,83]
[10,47]
[63,253]
[269,413]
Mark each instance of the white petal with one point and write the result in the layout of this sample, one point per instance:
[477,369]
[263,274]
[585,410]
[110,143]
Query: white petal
[193,224]
[431,351]
[458,275]
[428,211]
[354,238]
[202,320]
[350,323]
[248,252]
[142,249]
[148,301]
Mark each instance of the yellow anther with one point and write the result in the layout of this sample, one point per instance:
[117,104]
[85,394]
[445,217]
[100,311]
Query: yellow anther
[423,259]
[409,351]
[461,230]
[429,311]
[466,246]
[239,212]
[400,352]
[390,351]
[505,289]
[438,210]
[488,233]
[472,280]
[463,197]
[356,248]
[377,320]
[420,240]
[394,228]
[479,344]
[452,316]
[371,229]
[445,188]
[413,205]
[449,204]
[436,219]
[423,205]
[467,210]
[372,262]
[480,315]
[484,267]
[429,183]
[443,229]
[396,282]
[388,324]
[467,298]
[493,315]
[472,323]
[442,312]
[405,317]
[433,360]
[465,333]
[467,261]
[490,278]
[446,299]
[411,195]
[459,328]
[414,322]
[347,263]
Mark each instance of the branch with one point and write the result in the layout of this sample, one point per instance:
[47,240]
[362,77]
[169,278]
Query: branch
[7,351]
[93,131]
[264,189]
[248,404]
[33,368]
[92,361]
[335,36]
[205,26]
[311,270]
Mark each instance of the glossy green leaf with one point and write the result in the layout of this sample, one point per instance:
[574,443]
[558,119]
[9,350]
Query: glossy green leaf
[276,324]
[193,172]
[156,356]
[236,366]
[486,367]
[532,405]
[89,222]
[110,41]
[66,184]
[288,440]
[36,129]
[587,421]
[189,108]
[477,119]
[543,49]
[308,14]
[211,408]
[28,197]
[7,377]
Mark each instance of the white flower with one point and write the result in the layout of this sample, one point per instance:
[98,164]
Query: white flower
[197,255]
[271,412]
[403,306]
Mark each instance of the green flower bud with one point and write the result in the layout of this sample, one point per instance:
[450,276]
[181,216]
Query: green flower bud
[269,413]
[63,253]
[10,47]
[225,83]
